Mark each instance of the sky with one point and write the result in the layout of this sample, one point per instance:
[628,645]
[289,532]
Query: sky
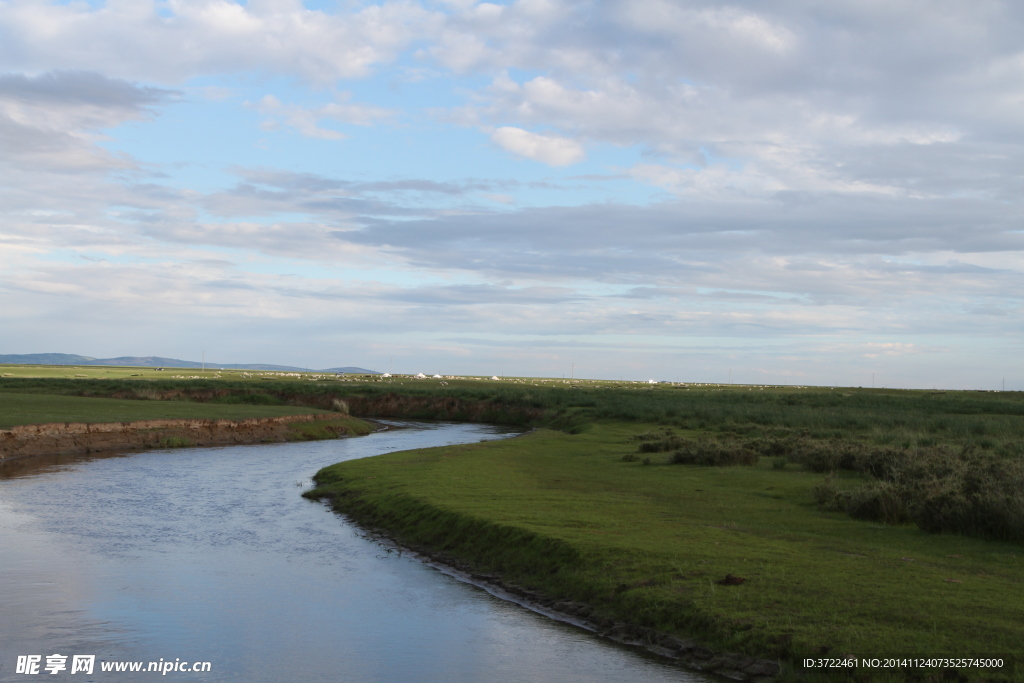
[770,192]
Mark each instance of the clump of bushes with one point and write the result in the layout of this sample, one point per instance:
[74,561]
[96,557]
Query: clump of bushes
[970,492]
[706,450]
[657,442]
[711,453]
[882,503]
[667,444]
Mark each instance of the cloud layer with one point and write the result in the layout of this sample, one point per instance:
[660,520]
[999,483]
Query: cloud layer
[794,189]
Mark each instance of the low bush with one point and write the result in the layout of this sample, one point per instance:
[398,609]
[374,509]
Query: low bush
[661,444]
[941,490]
[711,453]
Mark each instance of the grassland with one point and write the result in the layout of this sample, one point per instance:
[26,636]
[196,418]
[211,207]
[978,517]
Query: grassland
[19,409]
[566,515]
[572,509]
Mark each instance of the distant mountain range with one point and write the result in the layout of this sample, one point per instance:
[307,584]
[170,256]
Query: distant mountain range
[154,362]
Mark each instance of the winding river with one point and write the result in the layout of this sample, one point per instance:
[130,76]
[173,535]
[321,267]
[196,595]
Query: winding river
[211,555]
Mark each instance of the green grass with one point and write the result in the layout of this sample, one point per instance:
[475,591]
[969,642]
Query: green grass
[19,409]
[329,429]
[565,514]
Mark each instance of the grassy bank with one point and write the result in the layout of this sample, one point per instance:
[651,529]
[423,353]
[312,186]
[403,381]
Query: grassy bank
[19,409]
[582,518]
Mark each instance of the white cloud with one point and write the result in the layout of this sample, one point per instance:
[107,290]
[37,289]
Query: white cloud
[200,37]
[553,150]
[499,198]
[306,119]
[735,26]
[52,121]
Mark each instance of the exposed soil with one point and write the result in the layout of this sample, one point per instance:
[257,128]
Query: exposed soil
[66,438]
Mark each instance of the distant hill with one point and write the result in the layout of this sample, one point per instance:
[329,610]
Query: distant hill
[45,359]
[148,361]
[154,362]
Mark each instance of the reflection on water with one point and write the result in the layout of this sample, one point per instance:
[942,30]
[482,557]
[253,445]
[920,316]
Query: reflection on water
[212,555]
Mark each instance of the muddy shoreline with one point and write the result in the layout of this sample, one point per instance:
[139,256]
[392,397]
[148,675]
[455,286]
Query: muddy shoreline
[77,438]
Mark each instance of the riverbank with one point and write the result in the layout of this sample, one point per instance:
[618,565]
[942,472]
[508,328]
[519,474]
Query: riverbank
[73,438]
[684,651]
[644,552]
[18,408]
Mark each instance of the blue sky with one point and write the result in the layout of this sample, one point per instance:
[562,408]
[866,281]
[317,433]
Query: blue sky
[786,191]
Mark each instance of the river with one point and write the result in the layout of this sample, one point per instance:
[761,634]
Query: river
[211,555]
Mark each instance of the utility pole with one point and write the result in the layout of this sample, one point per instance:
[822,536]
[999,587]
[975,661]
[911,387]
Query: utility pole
[572,374]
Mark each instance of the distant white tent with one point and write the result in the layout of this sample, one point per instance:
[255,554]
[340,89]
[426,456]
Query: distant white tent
[494,377]
[437,376]
[652,381]
[420,375]
[386,374]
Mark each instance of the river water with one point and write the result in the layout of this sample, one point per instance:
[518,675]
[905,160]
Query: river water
[211,555]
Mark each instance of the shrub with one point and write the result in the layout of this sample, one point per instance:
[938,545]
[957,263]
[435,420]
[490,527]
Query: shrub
[939,489]
[883,502]
[665,442]
[710,453]
[829,497]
